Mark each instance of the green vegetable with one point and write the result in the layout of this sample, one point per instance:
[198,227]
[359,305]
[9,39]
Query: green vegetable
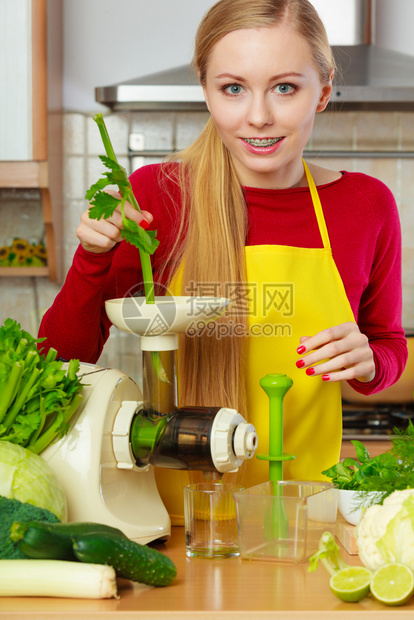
[329,554]
[39,540]
[94,543]
[27,477]
[12,510]
[393,470]
[386,533]
[103,207]
[37,396]
[129,559]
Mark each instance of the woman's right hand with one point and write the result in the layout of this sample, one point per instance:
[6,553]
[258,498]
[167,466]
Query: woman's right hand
[99,236]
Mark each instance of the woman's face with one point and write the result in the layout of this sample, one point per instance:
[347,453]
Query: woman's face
[263,91]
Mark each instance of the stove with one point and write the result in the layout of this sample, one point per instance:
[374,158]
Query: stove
[374,421]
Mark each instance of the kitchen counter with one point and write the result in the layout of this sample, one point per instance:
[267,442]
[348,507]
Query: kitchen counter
[223,589]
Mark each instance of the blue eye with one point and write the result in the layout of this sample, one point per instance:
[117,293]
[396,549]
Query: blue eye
[233,89]
[285,89]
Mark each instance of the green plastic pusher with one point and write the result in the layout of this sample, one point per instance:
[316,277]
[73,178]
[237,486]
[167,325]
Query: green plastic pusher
[276,386]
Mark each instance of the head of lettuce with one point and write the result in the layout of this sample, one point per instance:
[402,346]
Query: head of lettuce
[27,477]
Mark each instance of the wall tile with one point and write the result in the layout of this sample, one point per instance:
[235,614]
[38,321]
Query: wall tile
[333,131]
[157,127]
[189,127]
[408,307]
[72,211]
[74,134]
[407,130]
[69,249]
[17,297]
[73,177]
[407,178]
[333,163]
[376,131]
[118,126]
[406,210]
[137,162]
[46,293]
[408,266]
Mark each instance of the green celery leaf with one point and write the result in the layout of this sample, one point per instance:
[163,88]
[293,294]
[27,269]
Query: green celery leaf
[140,238]
[104,205]
[111,163]
[23,427]
[97,187]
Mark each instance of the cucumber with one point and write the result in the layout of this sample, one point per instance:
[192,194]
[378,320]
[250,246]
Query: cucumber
[54,541]
[129,559]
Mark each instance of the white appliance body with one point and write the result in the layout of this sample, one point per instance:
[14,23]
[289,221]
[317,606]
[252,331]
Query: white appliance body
[98,487]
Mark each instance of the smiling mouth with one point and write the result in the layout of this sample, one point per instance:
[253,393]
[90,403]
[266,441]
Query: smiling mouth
[263,142]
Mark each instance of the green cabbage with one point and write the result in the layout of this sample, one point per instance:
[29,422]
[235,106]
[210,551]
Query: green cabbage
[397,544]
[27,477]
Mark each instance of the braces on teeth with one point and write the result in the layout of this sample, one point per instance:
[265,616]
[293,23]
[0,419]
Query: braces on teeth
[264,142]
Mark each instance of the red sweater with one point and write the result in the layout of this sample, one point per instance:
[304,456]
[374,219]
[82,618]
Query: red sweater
[364,229]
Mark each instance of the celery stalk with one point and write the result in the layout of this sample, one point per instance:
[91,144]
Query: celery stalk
[144,256]
[21,399]
[10,389]
[55,428]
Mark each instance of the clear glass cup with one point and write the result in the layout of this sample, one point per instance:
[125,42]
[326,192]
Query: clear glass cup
[211,520]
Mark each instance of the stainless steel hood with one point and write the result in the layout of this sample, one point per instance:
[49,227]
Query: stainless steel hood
[372,78]
[369,77]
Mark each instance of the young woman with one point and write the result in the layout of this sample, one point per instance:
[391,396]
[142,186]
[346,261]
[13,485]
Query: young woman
[310,256]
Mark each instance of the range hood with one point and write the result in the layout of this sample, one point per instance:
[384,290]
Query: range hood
[370,77]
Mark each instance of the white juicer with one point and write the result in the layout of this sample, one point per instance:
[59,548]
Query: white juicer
[106,461]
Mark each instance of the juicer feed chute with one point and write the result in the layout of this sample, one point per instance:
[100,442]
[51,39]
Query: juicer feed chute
[106,461]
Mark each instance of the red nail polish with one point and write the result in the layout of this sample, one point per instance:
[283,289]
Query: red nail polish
[300,363]
[325,377]
[310,371]
[301,349]
[144,224]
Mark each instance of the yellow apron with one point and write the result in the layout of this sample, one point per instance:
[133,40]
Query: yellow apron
[296,292]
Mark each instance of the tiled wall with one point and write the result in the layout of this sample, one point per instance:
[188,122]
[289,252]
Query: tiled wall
[386,133]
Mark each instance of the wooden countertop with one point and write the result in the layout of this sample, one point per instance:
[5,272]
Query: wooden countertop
[225,589]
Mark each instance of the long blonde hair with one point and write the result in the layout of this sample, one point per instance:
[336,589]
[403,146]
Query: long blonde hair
[210,244]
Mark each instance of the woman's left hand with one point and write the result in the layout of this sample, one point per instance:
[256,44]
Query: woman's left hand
[339,353]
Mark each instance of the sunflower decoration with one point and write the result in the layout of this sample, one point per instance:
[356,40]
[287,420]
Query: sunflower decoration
[21,253]
[4,255]
[41,252]
[20,247]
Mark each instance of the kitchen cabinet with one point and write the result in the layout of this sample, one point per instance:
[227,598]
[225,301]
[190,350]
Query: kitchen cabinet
[217,589]
[31,115]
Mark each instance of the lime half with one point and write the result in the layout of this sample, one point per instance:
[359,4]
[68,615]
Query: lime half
[351,584]
[393,584]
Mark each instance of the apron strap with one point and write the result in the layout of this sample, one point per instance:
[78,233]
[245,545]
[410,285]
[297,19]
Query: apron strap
[318,208]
